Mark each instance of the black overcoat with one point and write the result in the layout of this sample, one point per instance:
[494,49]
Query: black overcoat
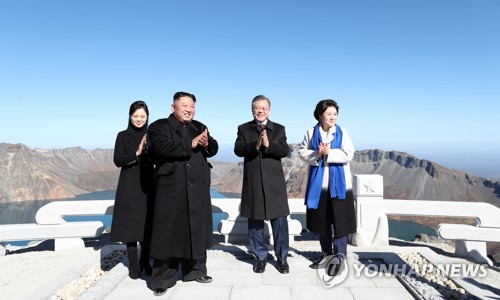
[264,194]
[134,193]
[343,212]
[182,222]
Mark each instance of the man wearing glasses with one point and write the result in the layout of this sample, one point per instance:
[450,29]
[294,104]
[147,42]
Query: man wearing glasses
[262,143]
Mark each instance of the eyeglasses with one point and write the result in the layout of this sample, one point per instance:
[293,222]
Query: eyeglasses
[263,108]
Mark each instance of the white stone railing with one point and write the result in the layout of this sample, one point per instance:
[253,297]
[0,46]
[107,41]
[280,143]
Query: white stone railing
[372,223]
[51,225]
[235,227]
[372,211]
[54,212]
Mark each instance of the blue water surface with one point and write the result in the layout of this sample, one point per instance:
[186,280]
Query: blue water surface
[110,195]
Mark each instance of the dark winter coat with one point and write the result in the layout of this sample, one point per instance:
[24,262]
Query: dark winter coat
[264,194]
[342,210]
[134,194]
[182,222]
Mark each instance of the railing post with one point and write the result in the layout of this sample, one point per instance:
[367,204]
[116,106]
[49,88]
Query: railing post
[372,224]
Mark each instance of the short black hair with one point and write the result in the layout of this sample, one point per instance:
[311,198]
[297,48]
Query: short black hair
[259,98]
[184,94]
[323,105]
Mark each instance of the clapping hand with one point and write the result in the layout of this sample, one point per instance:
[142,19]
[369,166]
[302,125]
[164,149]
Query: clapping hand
[200,140]
[263,140]
[142,145]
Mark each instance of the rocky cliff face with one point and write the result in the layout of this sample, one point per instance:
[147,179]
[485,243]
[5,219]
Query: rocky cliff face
[405,177]
[39,174]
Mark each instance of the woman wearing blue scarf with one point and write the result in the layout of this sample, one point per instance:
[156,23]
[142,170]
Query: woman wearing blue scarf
[328,149]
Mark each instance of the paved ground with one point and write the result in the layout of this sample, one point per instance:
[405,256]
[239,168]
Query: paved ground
[38,273]
[234,279]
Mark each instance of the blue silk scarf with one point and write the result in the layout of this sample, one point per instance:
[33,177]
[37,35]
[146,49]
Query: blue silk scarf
[337,184]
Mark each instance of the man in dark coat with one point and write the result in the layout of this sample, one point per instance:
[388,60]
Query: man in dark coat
[263,144]
[182,221]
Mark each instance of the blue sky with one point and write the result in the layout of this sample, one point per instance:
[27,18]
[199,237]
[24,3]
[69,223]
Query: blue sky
[421,77]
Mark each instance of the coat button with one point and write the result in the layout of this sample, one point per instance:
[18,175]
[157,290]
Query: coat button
[189,183]
[188,165]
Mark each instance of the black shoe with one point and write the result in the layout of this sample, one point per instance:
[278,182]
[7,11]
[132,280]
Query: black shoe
[133,263]
[317,263]
[283,267]
[260,266]
[133,267]
[204,279]
[159,292]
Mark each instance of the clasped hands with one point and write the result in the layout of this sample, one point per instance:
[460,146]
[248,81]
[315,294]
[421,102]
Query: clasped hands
[200,140]
[324,149]
[263,140]
[142,145]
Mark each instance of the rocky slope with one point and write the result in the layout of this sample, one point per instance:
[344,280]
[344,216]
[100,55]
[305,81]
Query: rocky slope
[39,174]
[405,177]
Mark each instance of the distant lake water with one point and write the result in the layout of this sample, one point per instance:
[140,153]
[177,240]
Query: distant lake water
[406,230]
[25,211]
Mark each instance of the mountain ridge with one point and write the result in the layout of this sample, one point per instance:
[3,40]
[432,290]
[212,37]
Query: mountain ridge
[405,177]
[40,174]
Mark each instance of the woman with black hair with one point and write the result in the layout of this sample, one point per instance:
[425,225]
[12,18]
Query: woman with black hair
[134,195]
[328,150]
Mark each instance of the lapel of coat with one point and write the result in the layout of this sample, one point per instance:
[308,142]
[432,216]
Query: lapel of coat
[177,126]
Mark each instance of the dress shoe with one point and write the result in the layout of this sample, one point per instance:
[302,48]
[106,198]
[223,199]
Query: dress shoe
[283,267]
[204,279]
[159,292]
[320,262]
[133,266]
[260,266]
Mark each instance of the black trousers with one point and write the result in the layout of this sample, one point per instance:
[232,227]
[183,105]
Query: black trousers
[329,245]
[165,270]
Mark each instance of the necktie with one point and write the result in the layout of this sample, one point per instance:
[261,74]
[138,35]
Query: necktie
[262,127]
